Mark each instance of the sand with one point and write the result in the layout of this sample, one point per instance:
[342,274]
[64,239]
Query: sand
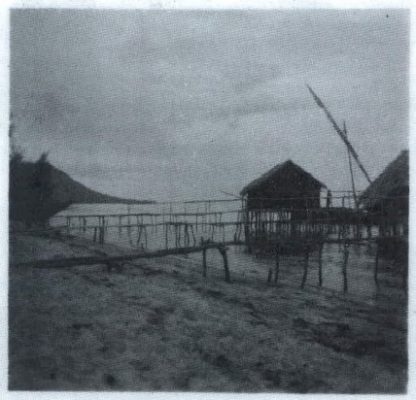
[159,325]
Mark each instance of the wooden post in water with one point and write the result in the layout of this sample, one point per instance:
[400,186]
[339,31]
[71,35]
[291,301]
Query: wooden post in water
[277,266]
[101,230]
[193,235]
[223,251]
[344,266]
[204,262]
[186,235]
[204,258]
[376,263]
[139,234]
[246,217]
[145,237]
[321,246]
[305,267]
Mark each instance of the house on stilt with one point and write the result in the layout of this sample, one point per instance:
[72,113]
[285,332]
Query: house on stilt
[386,202]
[280,202]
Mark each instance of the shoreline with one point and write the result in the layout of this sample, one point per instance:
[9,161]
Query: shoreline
[160,326]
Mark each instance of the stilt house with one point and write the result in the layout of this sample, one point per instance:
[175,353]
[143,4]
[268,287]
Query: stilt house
[285,186]
[388,195]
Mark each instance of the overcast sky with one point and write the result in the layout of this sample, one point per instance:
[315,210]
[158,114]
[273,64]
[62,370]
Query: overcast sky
[183,104]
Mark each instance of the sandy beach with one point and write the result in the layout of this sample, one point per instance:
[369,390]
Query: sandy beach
[158,325]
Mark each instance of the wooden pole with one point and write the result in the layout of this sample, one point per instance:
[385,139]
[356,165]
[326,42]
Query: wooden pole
[344,267]
[145,237]
[92,260]
[223,251]
[193,235]
[354,193]
[277,266]
[247,225]
[139,234]
[340,133]
[204,262]
[321,246]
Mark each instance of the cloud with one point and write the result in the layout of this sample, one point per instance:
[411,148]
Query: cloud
[180,101]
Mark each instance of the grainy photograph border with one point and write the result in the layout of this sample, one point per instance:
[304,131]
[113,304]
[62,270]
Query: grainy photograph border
[187,4]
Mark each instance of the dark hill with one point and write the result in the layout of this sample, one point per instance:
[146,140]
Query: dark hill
[67,189]
[39,190]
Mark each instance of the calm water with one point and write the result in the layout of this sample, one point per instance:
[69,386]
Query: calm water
[360,264]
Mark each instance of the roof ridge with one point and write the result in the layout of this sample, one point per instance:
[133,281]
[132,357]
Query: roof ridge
[262,178]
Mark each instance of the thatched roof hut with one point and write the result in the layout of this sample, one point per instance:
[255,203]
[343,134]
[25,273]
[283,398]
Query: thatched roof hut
[286,185]
[390,191]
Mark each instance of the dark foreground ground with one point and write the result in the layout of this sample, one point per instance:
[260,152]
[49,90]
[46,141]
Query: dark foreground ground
[159,325]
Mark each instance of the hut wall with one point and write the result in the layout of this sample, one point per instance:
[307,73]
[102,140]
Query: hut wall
[290,190]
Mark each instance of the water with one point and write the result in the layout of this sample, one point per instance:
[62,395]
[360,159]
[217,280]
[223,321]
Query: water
[360,270]
[155,237]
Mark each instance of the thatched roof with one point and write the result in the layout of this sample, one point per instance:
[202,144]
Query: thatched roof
[393,181]
[278,169]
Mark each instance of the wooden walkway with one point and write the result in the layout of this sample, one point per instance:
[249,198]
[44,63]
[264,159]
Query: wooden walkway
[117,262]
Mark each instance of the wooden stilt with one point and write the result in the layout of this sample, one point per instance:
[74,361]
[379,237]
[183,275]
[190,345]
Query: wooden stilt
[145,237]
[204,262]
[321,246]
[277,266]
[223,252]
[344,267]
[139,234]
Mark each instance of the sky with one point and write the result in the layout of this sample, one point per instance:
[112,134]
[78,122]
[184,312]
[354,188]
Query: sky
[173,105]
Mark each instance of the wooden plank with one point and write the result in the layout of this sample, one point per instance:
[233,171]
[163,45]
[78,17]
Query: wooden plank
[92,260]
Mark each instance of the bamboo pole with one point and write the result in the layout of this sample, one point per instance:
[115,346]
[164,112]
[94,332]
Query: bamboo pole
[321,245]
[204,262]
[145,237]
[247,226]
[223,251]
[376,262]
[305,267]
[277,266]
[340,133]
[344,267]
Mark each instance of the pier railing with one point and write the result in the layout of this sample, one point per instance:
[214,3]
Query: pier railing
[171,228]
[200,225]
